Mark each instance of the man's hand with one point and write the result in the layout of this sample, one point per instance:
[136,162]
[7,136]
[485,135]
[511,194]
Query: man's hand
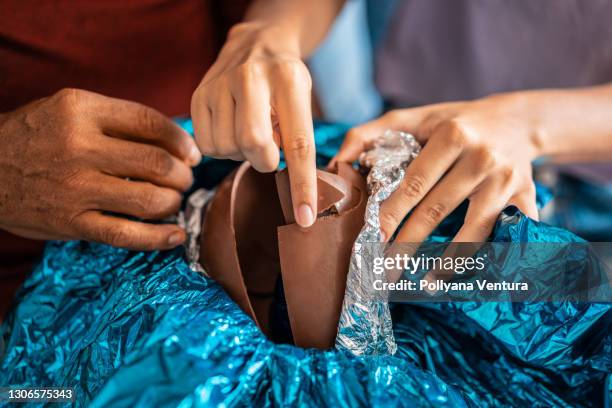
[480,151]
[255,99]
[72,162]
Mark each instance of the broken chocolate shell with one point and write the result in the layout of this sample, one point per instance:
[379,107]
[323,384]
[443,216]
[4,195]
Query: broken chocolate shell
[249,238]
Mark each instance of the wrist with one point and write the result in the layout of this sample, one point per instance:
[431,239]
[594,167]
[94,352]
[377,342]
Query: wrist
[272,36]
[523,111]
[276,37]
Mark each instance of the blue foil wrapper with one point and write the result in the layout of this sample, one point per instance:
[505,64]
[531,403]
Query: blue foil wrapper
[132,329]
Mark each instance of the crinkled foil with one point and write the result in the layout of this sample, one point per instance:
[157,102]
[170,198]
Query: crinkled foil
[191,220]
[365,326]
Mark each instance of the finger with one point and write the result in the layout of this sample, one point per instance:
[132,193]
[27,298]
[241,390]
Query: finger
[362,137]
[455,187]
[254,134]
[136,198]
[438,155]
[139,161]
[204,138]
[356,141]
[526,202]
[223,138]
[202,124]
[484,209]
[119,232]
[136,122]
[292,105]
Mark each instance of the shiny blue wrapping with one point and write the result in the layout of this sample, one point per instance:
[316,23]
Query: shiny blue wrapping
[141,329]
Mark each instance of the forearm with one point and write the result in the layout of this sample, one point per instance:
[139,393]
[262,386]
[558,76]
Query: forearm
[572,123]
[304,22]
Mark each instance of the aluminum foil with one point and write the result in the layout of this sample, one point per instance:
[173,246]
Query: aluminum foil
[191,221]
[365,326]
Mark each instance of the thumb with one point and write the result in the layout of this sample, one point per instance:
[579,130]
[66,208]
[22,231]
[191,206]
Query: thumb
[355,142]
[362,137]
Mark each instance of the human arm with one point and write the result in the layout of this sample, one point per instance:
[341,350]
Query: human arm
[482,151]
[256,96]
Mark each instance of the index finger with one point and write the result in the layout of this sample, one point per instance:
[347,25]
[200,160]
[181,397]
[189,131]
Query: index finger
[136,122]
[292,105]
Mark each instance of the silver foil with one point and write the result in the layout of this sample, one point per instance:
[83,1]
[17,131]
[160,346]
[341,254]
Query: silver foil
[365,326]
[191,221]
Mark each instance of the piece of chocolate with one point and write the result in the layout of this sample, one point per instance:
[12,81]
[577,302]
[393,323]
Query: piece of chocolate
[249,237]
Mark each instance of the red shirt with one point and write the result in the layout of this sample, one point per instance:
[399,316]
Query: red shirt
[150,51]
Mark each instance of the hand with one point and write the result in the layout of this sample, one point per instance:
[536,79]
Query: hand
[64,164]
[255,99]
[479,150]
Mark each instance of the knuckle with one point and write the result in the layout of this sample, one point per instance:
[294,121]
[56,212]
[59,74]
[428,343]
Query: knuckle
[302,189]
[392,116]
[68,100]
[300,145]
[147,118]
[164,204]
[196,101]
[430,122]
[73,225]
[185,180]
[204,145]
[250,140]
[294,71]
[508,174]
[70,142]
[156,203]
[224,145]
[75,181]
[434,214]
[116,235]
[413,187]
[455,133]
[389,219]
[482,224]
[268,164]
[159,163]
[355,135]
[248,72]
[235,30]
[146,201]
[200,99]
[202,142]
[484,158]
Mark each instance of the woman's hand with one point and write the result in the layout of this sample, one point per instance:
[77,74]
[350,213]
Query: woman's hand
[479,150]
[256,99]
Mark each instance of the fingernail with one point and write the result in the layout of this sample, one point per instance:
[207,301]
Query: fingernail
[305,216]
[331,164]
[175,239]
[194,155]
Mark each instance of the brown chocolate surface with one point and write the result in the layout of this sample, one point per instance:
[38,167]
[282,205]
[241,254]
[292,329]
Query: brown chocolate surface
[249,236]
